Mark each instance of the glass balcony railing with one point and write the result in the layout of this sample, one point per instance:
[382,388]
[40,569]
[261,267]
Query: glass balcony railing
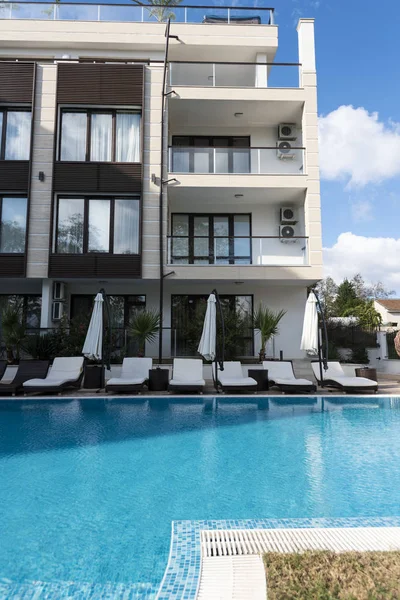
[285,159]
[238,250]
[135,13]
[241,75]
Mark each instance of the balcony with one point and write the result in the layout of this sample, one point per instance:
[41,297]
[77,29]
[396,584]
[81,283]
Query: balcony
[239,161]
[234,74]
[139,13]
[238,250]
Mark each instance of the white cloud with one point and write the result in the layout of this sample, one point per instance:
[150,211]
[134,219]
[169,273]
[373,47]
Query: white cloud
[361,210]
[376,258]
[357,147]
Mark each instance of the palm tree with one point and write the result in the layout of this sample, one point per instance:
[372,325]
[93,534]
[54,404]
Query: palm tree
[13,330]
[144,328]
[266,321]
[161,10]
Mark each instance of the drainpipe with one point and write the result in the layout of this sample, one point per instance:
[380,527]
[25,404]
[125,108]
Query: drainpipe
[162,183]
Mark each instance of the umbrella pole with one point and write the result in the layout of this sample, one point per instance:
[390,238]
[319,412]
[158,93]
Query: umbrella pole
[106,305]
[324,358]
[221,362]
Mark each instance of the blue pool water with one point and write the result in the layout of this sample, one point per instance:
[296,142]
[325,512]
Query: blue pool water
[88,489]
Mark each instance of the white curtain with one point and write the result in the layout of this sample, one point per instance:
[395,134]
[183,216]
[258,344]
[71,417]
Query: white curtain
[18,135]
[126,226]
[128,137]
[101,137]
[73,136]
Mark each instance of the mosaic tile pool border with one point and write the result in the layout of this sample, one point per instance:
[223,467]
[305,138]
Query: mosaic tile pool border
[182,575]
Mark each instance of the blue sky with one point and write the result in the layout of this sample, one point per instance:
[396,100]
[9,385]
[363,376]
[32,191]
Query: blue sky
[357,62]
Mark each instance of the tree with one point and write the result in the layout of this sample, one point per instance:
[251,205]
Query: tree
[346,298]
[266,321]
[144,328]
[162,9]
[374,291]
[366,314]
[327,291]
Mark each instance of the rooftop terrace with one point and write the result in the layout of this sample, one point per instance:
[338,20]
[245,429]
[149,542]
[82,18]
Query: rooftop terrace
[136,13]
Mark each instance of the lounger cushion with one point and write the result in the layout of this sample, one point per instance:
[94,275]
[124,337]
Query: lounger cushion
[188,370]
[356,382]
[292,381]
[189,382]
[236,381]
[126,381]
[135,367]
[64,370]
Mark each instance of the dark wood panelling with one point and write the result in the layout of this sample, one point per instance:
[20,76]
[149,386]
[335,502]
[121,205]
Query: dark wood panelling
[16,82]
[14,175]
[79,83]
[97,177]
[117,266]
[12,265]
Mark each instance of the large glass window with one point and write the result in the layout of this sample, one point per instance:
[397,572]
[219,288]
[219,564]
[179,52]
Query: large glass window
[12,224]
[126,226]
[100,135]
[70,225]
[15,134]
[97,225]
[210,154]
[210,239]
[73,136]
[187,317]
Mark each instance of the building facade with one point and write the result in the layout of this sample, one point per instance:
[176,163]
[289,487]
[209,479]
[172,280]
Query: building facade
[81,114]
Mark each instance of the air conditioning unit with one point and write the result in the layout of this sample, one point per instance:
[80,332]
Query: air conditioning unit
[57,311]
[284,150]
[287,234]
[288,216]
[58,290]
[287,131]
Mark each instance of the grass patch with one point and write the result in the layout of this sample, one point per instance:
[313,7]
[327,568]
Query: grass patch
[333,576]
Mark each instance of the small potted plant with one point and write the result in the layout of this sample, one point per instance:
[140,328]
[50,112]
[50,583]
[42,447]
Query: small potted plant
[266,321]
[144,328]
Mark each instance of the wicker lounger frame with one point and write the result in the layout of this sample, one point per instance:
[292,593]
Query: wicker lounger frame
[127,388]
[27,369]
[347,389]
[186,388]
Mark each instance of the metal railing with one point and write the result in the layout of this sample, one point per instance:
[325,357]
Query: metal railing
[136,13]
[238,250]
[287,159]
[234,74]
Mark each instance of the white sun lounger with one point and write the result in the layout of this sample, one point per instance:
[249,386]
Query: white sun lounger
[336,377]
[281,374]
[231,378]
[134,374]
[187,375]
[66,372]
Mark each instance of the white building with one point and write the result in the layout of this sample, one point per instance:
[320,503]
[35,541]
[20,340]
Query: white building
[81,108]
[390,312]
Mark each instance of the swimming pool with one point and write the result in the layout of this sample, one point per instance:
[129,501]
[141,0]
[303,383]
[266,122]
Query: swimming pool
[89,488]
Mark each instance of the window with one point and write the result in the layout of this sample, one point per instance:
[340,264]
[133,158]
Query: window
[12,224]
[97,225]
[211,239]
[15,134]
[187,316]
[210,154]
[100,136]
[28,305]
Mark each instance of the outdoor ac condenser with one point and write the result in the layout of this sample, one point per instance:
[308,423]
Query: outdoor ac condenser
[287,131]
[284,150]
[58,290]
[288,216]
[287,234]
[57,311]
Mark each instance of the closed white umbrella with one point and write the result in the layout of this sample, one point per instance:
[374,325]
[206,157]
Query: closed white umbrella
[309,339]
[208,337]
[93,345]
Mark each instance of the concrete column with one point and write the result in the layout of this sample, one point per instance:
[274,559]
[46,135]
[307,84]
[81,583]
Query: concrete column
[47,299]
[261,71]
[308,80]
